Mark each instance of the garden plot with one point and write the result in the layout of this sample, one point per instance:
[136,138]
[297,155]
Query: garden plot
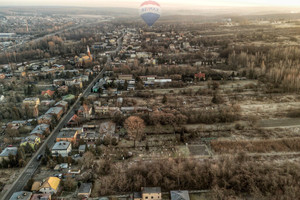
[199,150]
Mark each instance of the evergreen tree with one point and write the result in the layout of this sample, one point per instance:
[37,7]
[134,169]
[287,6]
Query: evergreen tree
[165,99]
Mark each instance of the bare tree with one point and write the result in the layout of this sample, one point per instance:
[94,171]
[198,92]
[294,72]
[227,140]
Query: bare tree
[135,127]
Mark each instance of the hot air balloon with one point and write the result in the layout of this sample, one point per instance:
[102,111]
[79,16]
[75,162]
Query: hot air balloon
[150,12]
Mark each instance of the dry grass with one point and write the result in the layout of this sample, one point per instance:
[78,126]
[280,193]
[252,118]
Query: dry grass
[257,146]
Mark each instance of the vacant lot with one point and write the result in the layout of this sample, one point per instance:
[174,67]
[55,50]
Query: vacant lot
[256,146]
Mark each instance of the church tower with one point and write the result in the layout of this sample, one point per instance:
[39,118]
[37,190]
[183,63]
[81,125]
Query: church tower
[88,51]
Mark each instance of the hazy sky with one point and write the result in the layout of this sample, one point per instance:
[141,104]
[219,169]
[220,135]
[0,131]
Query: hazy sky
[164,3]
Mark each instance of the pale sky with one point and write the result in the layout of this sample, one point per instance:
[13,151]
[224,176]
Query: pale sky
[180,4]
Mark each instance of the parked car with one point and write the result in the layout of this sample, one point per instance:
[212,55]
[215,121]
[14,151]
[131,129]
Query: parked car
[39,157]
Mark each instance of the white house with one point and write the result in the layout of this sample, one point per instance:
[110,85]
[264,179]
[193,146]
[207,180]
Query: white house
[50,186]
[62,148]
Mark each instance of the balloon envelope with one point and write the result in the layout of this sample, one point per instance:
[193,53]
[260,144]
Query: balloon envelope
[150,12]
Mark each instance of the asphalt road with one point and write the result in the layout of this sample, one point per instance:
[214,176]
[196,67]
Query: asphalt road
[33,164]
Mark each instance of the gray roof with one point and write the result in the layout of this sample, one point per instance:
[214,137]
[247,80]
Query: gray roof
[31,99]
[82,147]
[180,195]
[61,103]
[18,122]
[91,135]
[9,151]
[67,134]
[24,195]
[46,116]
[29,139]
[85,188]
[40,129]
[63,145]
[151,190]
[54,110]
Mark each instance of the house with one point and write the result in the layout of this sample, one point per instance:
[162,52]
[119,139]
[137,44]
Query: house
[8,151]
[153,193]
[70,82]
[50,186]
[31,105]
[102,110]
[41,197]
[16,124]
[85,111]
[62,104]
[69,97]
[48,93]
[32,140]
[90,127]
[78,84]
[105,110]
[31,102]
[200,76]
[97,104]
[21,195]
[162,81]
[47,103]
[180,195]
[62,148]
[69,135]
[74,121]
[56,112]
[81,149]
[63,89]
[148,78]
[59,82]
[131,87]
[41,130]
[126,77]
[84,190]
[45,119]
[90,136]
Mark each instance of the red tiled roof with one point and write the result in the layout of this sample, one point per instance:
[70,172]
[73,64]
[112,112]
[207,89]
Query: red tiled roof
[49,92]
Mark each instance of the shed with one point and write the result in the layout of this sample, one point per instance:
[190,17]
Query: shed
[82,148]
[85,190]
